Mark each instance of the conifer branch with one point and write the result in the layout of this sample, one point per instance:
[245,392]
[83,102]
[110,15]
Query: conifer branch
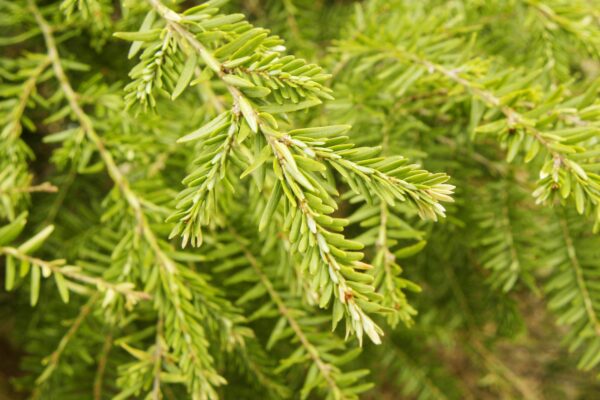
[59,267]
[173,22]
[103,360]
[13,127]
[392,286]
[572,287]
[581,29]
[323,366]
[510,239]
[196,361]
[581,281]
[158,359]
[15,179]
[513,117]
[43,187]
[88,127]
[561,128]
[298,184]
[53,359]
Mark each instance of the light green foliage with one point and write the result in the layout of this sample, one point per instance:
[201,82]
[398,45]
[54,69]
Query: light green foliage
[249,64]
[527,115]
[194,196]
